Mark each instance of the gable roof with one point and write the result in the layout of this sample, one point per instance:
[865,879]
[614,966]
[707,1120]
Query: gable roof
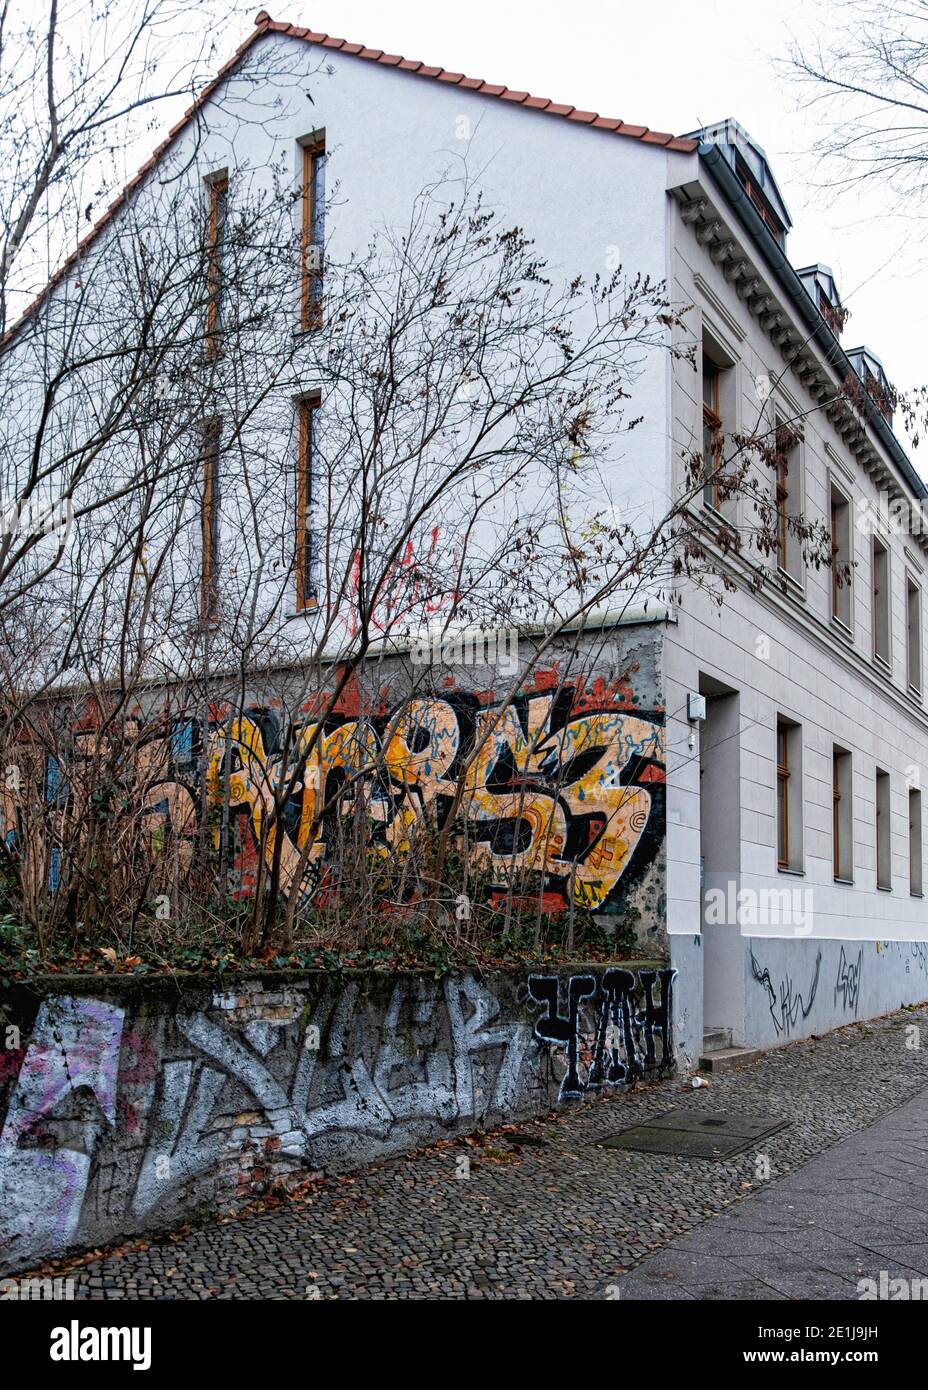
[265,25]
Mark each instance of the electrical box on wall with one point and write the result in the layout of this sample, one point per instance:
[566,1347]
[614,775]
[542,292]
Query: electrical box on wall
[695,707]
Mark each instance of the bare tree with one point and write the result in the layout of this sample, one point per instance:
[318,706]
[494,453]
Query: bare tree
[241,566]
[223,771]
[864,77]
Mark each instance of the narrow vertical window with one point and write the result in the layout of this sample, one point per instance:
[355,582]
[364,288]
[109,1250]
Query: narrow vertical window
[210,519]
[884,876]
[711,430]
[842,814]
[787,498]
[783,775]
[307,482]
[836,813]
[840,558]
[880,601]
[913,614]
[915,843]
[218,188]
[789,795]
[312,233]
[782,504]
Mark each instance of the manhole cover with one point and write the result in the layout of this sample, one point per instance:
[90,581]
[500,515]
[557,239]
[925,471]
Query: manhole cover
[693,1134]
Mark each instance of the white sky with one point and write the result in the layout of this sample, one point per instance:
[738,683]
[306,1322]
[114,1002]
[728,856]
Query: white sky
[672,66]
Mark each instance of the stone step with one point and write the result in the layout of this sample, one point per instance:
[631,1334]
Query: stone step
[730,1058]
[714,1039]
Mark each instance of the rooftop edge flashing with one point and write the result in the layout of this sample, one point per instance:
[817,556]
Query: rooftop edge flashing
[642,614]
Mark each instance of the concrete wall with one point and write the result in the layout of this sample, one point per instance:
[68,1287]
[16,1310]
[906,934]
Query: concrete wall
[786,988]
[132,1105]
[796,988]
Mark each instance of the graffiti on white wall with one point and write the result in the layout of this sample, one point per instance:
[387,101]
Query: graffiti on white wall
[63,1102]
[847,980]
[786,1002]
[562,786]
[119,1119]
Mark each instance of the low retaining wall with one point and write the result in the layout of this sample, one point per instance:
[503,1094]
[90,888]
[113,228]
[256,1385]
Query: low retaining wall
[133,1104]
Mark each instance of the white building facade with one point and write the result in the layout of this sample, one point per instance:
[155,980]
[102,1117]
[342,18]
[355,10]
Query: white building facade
[777,856]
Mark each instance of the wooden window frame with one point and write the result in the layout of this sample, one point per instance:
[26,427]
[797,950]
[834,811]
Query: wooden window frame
[782,502]
[218,186]
[885,601]
[833,506]
[787,486]
[916,844]
[836,812]
[304,560]
[310,280]
[839,502]
[783,776]
[882,780]
[913,657]
[842,824]
[210,521]
[758,202]
[712,420]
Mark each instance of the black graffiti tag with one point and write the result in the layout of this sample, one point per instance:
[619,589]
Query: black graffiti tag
[628,1018]
[553,1028]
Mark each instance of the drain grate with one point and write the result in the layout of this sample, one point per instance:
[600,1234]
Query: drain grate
[693,1134]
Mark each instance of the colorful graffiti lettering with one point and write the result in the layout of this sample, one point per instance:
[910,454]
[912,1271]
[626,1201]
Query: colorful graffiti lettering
[544,786]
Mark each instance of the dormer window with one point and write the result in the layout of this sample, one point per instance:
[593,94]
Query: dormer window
[751,188]
[819,285]
[876,383]
[748,163]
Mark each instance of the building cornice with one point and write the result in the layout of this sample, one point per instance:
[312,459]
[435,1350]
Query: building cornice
[723,221]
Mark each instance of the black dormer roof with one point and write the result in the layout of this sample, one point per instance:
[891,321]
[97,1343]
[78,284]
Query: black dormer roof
[749,164]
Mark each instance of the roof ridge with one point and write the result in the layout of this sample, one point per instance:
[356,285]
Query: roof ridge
[264,24]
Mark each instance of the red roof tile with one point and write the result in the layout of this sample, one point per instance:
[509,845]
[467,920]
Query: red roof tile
[265,25]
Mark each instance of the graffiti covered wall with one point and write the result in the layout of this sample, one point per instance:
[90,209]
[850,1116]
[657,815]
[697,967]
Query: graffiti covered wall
[141,1104]
[560,791]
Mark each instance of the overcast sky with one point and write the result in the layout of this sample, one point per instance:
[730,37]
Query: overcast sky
[672,66]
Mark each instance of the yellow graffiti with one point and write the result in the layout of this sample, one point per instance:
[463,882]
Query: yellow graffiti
[570,803]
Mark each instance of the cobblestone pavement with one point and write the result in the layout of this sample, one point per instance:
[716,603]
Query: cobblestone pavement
[546,1212]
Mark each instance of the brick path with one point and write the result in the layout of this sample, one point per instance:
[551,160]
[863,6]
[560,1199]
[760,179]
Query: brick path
[563,1217]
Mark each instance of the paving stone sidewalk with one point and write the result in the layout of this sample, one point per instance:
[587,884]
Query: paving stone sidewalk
[563,1217]
[857,1212]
